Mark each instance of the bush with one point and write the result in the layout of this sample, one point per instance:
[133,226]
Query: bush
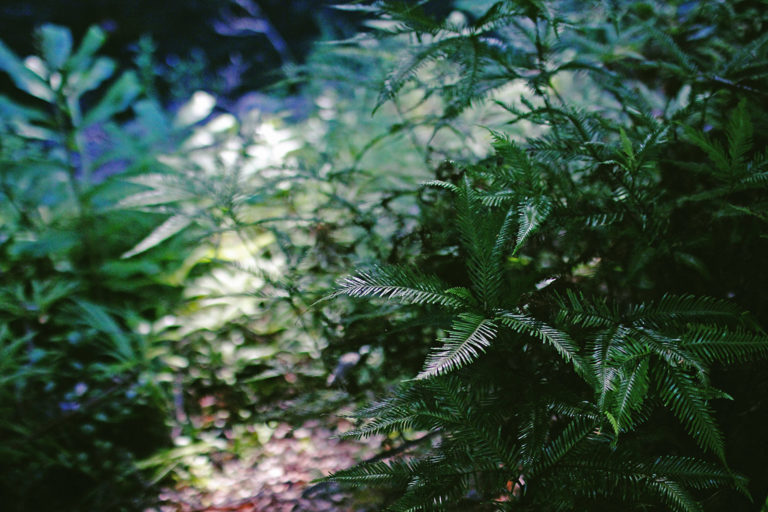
[593,272]
[78,367]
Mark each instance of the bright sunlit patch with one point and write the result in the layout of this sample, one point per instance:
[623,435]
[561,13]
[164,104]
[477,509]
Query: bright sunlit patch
[37,66]
[272,145]
[544,283]
[200,139]
[222,123]
[228,157]
[196,109]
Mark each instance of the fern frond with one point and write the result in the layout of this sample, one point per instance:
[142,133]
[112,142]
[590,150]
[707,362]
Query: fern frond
[605,371]
[695,473]
[674,494]
[666,478]
[497,198]
[717,344]
[411,16]
[405,72]
[685,399]
[687,66]
[630,394]
[675,310]
[596,220]
[497,15]
[170,227]
[532,213]
[669,349]
[408,285]
[441,184]
[556,449]
[426,404]
[393,473]
[483,238]
[576,308]
[739,135]
[439,485]
[401,419]
[560,340]
[714,150]
[738,131]
[469,336]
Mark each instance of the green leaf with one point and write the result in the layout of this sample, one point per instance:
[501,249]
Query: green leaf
[560,340]
[532,213]
[23,77]
[92,41]
[119,97]
[739,133]
[12,111]
[55,45]
[97,317]
[90,78]
[718,344]
[626,146]
[382,473]
[630,392]
[713,149]
[558,448]
[164,231]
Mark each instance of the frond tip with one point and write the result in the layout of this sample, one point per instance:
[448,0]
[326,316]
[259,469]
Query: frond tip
[408,285]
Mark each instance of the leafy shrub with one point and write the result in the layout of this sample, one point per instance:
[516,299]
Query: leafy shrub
[80,403]
[601,259]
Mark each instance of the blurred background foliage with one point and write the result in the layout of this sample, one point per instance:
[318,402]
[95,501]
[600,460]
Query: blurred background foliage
[183,183]
[162,248]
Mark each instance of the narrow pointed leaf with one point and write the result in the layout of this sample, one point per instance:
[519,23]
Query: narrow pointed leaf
[55,44]
[24,78]
[164,231]
[117,98]
[92,41]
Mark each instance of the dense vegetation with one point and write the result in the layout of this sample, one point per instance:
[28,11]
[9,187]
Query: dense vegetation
[543,254]
[592,302]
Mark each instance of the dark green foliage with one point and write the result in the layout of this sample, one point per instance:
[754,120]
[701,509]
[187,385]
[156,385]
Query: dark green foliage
[80,402]
[576,316]
[606,261]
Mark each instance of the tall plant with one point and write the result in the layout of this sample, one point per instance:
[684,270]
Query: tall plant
[589,315]
[78,371]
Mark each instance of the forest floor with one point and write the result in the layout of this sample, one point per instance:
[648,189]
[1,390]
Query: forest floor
[277,477]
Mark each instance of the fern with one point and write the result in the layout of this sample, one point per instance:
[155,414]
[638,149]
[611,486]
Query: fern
[559,340]
[469,336]
[406,284]
[579,238]
[685,398]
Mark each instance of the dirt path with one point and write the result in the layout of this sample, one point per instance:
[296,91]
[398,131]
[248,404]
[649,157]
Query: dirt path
[277,477]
